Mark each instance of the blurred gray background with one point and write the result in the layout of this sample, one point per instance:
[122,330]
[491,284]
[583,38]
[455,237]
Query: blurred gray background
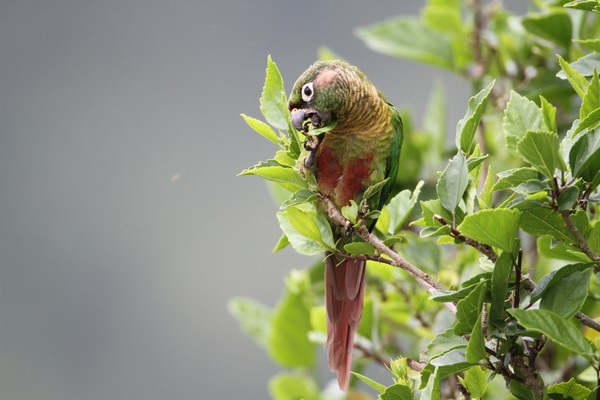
[123,227]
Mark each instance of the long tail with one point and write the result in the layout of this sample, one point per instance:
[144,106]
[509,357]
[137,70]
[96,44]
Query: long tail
[344,292]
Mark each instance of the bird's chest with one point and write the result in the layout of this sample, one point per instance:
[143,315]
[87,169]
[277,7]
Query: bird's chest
[343,170]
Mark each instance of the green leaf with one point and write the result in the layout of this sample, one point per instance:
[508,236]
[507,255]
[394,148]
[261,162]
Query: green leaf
[317,131]
[397,392]
[288,342]
[273,102]
[453,182]
[500,278]
[273,171]
[307,231]
[593,238]
[475,382]
[575,78]
[393,239]
[540,149]
[587,5]
[374,384]
[567,198]
[550,248]
[468,310]
[432,390]
[567,295]
[285,158]
[554,25]
[514,177]
[299,197]
[260,127]
[445,341]
[591,121]
[555,277]
[486,197]
[395,213]
[591,99]
[554,327]
[289,386]
[474,162]
[443,15]
[445,365]
[444,296]
[467,126]
[310,224]
[359,248]
[520,115]
[522,391]
[475,351]
[568,390]
[433,207]
[584,67]
[475,280]
[409,37]
[584,157]
[281,243]
[374,190]
[496,227]
[350,212]
[545,221]
[581,221]
[254,318]
[549,114]
[592,44]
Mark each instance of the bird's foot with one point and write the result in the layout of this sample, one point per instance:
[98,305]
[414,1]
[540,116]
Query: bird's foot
[348,229]
[311,144]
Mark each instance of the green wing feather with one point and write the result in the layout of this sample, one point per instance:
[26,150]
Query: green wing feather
[393,161]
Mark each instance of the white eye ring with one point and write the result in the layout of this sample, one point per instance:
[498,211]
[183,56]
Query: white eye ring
[307,92]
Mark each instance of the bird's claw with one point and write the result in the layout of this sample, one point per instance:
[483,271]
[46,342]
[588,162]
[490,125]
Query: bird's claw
[311,144]
[348,229]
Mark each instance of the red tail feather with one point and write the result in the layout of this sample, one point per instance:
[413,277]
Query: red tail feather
[344,292]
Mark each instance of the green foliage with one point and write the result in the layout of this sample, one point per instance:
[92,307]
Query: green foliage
[568,390]
[475,382]
[554,327]
[292,387]
[467,127]
[411,38]
[453,182]
[508,225]
[273,102]
[288,342]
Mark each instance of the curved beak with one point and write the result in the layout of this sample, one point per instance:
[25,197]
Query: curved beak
[317,119]
[298,116]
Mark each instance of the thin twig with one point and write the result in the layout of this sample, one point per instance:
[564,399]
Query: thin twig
[483,248]
[425,280]
[583,244]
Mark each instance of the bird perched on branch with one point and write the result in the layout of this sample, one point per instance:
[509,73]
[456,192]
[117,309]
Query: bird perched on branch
[359,148]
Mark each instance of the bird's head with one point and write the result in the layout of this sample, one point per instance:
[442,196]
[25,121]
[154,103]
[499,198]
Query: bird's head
[319,96]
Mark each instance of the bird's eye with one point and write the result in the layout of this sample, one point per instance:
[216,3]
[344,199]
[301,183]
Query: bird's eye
[307,92]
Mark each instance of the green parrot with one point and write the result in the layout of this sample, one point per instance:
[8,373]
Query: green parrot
[361,150]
